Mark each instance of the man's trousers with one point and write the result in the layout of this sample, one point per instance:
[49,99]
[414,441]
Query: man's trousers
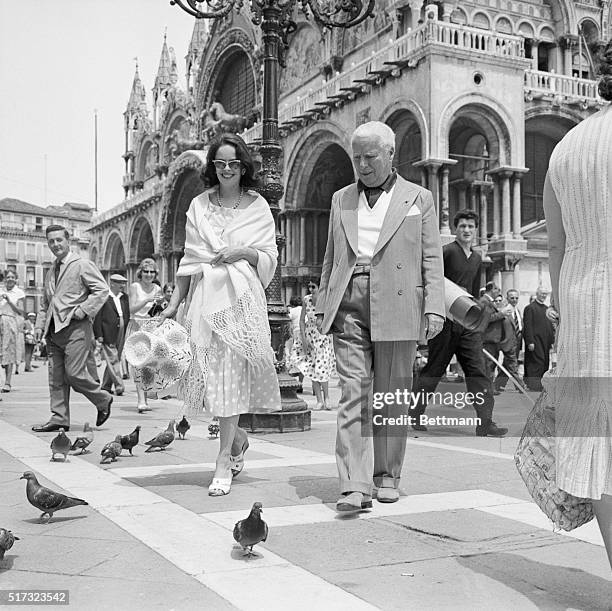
[367,451]
[71,364]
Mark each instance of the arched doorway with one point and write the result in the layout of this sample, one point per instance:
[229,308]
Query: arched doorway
[115,255]
[542,133]
[234,85]
[331,171]
[187,186]
[409,146]
[142,244]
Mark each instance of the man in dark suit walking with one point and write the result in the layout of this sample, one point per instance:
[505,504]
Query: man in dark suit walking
[539,336]
[109,329]
[493,334]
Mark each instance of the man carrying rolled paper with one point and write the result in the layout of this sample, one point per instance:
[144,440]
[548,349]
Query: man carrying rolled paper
[462,265]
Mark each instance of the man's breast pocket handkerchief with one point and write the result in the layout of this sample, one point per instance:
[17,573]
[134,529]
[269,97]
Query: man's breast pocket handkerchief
[414,211]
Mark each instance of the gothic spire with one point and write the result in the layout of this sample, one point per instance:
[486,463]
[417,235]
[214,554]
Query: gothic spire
[164,71]
[138,95]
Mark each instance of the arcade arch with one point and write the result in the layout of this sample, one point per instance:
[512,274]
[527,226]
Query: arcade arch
[115,255]
[409,144]
[542,133]
[141,242]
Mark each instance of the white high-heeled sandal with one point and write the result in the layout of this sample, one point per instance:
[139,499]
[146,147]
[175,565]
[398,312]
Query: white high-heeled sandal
[237,462]
[220,486]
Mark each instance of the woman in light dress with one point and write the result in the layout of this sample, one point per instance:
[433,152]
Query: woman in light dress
[11,324]
[230,258]
[578,208]
[144,294]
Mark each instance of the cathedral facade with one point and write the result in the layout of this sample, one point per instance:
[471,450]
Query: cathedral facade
[478,94]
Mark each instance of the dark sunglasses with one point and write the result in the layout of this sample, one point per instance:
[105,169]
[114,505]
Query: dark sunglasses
[234,164]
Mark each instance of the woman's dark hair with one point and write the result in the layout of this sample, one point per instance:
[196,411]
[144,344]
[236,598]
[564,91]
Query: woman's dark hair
[248,179]
[168,285]
[295,301]
[604,87]
[468,215]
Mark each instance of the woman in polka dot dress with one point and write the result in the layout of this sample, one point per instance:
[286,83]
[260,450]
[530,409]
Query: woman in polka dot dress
[230,257]
[314,353]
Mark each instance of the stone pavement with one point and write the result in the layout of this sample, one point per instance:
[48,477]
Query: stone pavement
[464,534]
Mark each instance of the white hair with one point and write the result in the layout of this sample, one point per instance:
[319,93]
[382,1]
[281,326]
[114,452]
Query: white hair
[376,129]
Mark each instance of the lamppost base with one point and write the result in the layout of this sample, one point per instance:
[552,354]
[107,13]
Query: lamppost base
[275,422]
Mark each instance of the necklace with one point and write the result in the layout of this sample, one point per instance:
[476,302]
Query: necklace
[234,206]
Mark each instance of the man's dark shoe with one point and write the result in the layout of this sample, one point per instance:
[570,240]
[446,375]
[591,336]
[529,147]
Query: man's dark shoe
[353,501]
[50,427]
[490,430]
[419,427]
[104,415]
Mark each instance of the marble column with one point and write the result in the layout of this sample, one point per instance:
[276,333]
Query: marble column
[434,186]
[496,207]
[415,12]
[289,237]
[473,197]
[535,45]
[516,206]
[424,177]
[483,215]
[462,194]
[505,203]
[302,237]
[314,255]
[444,210]
[283,231]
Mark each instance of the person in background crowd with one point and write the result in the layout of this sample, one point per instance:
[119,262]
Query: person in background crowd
[492,336]
[294,341]
[463,266]
[109,329]
[512,353]
[11,327]
[144,294]
[29,338]
[314,351]
[539,337]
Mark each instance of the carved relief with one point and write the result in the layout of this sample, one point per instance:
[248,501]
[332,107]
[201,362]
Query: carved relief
[302,59]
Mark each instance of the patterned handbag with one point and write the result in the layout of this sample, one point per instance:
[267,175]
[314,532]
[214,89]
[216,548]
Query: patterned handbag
[535,461]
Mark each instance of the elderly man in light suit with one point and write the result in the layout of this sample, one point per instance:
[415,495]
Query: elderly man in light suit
[382,288]
[74,292]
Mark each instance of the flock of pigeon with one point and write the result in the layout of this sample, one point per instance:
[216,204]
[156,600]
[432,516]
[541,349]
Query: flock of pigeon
[247,533]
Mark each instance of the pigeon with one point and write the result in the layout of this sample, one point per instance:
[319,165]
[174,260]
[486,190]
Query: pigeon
[83,440]
[252,530]
[7,538]
[213,429]
[131,440]
[60,445]
[182,427]
[45,499]
[162,440]
[111,450]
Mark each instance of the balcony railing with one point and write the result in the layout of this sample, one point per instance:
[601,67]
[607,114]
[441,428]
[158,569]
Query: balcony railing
[549,83]
[398,52]
[127,204]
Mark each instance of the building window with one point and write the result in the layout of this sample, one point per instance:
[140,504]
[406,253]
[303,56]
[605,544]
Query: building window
[30,251]
[11,250]
[39,224]
[31,277]
[30,303]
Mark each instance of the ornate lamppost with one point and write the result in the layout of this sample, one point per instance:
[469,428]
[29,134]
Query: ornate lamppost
[275,19]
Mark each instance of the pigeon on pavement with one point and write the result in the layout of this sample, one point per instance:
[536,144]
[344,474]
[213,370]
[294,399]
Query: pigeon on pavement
[131,440]
[7,538]
[162,440]
[83,440]
[182,427]
[111,450]
[45,499]
[60,444]
[213,429]
[251,530]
